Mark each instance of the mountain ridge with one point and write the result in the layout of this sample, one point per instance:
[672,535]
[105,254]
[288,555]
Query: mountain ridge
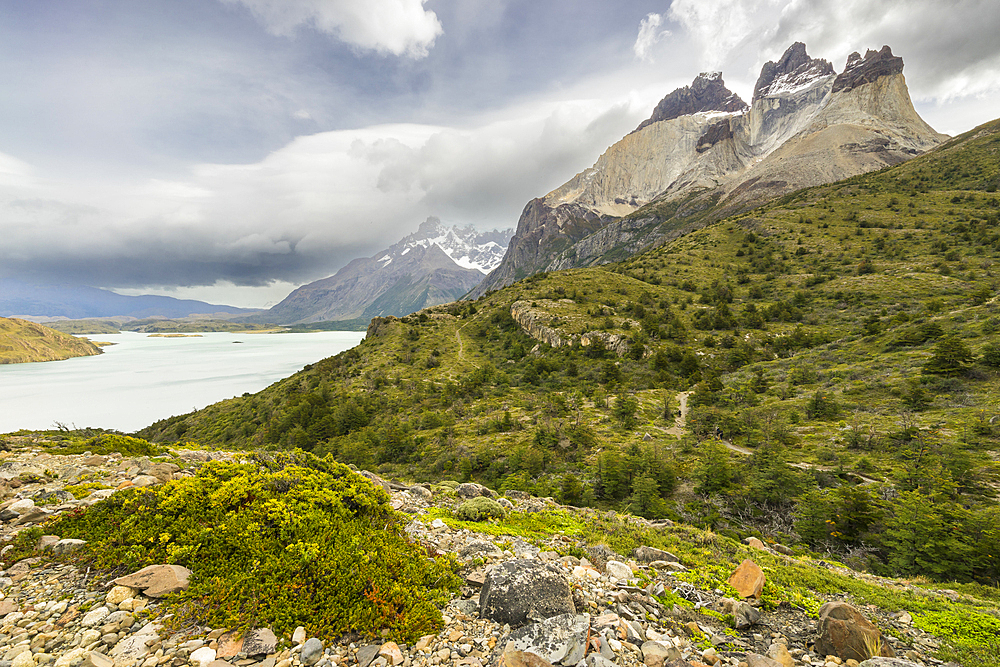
[682,170]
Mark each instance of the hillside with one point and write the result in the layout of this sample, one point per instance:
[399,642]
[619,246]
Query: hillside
[22,342]
[835,350]
[704,154]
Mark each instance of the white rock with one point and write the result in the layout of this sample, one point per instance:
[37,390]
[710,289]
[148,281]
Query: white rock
[203,656]
[70,657]
[438,523]
[119,594]
[21,506]
[24,659]
[95,659]
[618,570]
[94,617]
[299,636]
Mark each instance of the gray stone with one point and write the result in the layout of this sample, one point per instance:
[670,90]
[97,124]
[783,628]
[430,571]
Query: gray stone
[157,581]
[520,591]
[559,639]
[596,660]
[473,490]
[67,545]
[844,631]
[650,554]
[467,607]
[260,641]
[366,654]
[887,662]
[655,654]
[745,615]
[421,492]
[618,570]
[479,548]
[758,660]
[312,651]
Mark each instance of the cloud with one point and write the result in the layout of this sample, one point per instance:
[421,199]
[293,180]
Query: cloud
[950,49]
[397,27]
[304,210]
[649,34]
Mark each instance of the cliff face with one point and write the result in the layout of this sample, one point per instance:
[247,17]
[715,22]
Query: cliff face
[704,154]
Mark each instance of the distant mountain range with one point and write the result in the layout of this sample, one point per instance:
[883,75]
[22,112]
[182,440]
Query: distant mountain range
[705,154]
[23,299]
[434,265]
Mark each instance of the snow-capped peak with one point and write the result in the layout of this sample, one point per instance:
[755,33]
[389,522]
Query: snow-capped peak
[467,247]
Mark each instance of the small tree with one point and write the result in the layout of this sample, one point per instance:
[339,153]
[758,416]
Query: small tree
[951,357]
[625,408]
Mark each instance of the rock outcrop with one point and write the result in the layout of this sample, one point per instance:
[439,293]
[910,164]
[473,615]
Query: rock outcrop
[520,591]
[703,154]
[845,632]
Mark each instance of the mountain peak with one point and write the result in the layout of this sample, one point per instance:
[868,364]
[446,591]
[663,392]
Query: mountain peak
[794,71]
[707,92]
[860,70]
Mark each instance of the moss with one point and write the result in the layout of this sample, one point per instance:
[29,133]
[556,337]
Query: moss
[480,509]
[286,540]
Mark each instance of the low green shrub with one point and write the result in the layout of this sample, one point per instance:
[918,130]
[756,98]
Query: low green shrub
[286,540]
[480,509]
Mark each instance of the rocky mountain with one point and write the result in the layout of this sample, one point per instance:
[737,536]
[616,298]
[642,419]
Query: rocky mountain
[25,299]
[22,342]
[434,265]
[705,154]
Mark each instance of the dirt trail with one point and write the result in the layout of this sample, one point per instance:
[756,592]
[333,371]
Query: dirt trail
[680,421]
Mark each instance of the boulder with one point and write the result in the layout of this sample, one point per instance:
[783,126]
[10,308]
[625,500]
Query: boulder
[560,639]
[618,570]
[889,662]
[67,545]
[157,581]
[163,471]
[748,579]
[203,656]
[119,594]
[779,653]
[146,480]
[520,591]
[479,548]
[512,658]
[260,641]
[650,554]
[473,490]
[758,660]
[844,631]
[95,659]
[656,654]
[754,543]
[95,460]
[392,654]
[312,651]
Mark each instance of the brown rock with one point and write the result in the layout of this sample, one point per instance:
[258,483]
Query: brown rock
[779,653]
[157,581]
[758,660]
[513,658]
[754,543]
[845,632]
[748,579]
[95,460]
[390,651]
[7,606]
[230,644]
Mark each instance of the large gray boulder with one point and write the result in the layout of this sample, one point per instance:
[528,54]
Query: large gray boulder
[521,591]
[561,639]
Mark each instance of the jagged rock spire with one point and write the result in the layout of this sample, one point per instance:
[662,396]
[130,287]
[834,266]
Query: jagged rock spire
[860,71]
[793,70]
[707,92]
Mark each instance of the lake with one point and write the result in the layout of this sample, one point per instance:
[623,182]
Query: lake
[142,379]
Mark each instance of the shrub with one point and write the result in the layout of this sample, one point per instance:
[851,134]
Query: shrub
[480,509]
[287,540]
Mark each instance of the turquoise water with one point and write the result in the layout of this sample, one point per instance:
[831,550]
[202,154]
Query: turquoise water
[142,379]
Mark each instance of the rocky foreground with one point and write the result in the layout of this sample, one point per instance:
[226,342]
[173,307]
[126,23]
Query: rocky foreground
[522,605]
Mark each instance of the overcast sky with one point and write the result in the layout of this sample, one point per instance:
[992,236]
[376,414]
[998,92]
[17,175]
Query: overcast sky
[229,150]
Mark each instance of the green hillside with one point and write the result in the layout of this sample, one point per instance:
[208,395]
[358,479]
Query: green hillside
[836,354]
[22,341]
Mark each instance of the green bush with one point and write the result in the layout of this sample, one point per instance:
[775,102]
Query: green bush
[480,509]
[287,540]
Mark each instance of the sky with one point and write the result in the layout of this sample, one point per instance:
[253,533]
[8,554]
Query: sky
[230,150]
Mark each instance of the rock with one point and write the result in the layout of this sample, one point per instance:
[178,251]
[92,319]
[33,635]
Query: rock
[473,490]
[559,639]
[157,581]
[782,549]
[71,657]
[95,659]
[7,606]
[203,656]
[390,651]
[779,653]
[32,515]
[312,651]
[135,646]
[523,590]
[514,658]
[748,579]
[479,548]
[650,554]
[95,616]
[421,492]
[67,545]
[162,471]
[141,481]
[299,636]
[754,543]
[888,662]
[597,660]
[758,660]
[230,643]
[119,594]
[618,570]
[94,461]
[46,542]
[656,654]
[260,641]
[21,506]
[8,515]
[368,653]
[24,659]
[844,631]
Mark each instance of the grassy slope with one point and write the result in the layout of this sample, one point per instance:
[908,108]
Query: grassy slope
[22,341]
[855,284]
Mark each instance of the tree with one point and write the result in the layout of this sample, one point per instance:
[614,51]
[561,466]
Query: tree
[951,357]
[625,408]
[714,474]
